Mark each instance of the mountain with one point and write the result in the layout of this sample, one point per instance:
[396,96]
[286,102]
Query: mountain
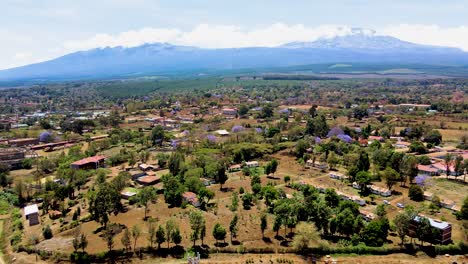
[360,46]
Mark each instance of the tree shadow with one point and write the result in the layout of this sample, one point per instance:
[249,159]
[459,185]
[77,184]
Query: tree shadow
[235,242]
[285,243]
[227,189]
[267,240]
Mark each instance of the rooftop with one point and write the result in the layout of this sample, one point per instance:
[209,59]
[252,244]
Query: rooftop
[88,160]
[31,209]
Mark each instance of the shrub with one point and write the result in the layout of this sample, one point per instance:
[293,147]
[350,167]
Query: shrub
[47,232]
[416,193]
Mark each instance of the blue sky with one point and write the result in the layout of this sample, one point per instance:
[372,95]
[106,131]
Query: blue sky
[33,30]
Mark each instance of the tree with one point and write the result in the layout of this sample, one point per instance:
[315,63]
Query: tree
[176,162]
[197,222]
[247,200]
[126,239]
[409,168]
[176,236]
[458,166]
[464,209]
[375,233]
[202,233]
[204,196]
[277,225]
[173,190]
[157,135]
[161,236]
[416,193]
[331,197]
[121,181]
[171,226]
[332,160]
[263,224]
[219,233]
[234,202]
[136,232]
[146,195]
[363,163]
[83,242]
[363,178]
[402,223]
[391,177]
[273,166]
[103,202]
[221,176]
[152,233]
[305,234]
[424,230]
[233,227]
[47,232]
[108,236]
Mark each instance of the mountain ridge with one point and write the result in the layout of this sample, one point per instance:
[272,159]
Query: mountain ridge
[159,58]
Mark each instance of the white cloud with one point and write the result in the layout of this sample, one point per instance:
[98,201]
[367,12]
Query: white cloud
[430,34]
[229,36]
[212,36]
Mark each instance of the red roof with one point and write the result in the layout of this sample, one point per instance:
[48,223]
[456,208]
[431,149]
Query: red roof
[88,160]
[427,168]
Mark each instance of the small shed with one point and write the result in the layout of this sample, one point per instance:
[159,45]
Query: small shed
[31,212]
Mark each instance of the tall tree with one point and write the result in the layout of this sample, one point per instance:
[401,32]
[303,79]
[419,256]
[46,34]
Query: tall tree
[233,227]
[161,236]
[263,224]
[197,222]
[136,232]
[219,233]
[103,202]
[126,239]
[145,196]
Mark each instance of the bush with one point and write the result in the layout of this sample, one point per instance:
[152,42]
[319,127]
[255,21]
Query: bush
[47,232]
[416,193]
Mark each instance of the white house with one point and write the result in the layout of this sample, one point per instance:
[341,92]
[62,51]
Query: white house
[252,164]
[31,212]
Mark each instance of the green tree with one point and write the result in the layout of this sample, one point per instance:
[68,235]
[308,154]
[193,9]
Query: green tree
[160,236]
[219,233]
[416,193]
[233,227]
[464,209]
[108,236]
[126,239]
[158,135]
[145,196]
[103,202]
[136,232]
[221,176]
[47,232]
[263,224]
[176,236]
[306,233]
[171,226]
[176,162]
[363,178]
[197,223]
[391,177]
[402,223]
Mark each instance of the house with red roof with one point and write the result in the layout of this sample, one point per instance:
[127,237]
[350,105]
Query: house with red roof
[191,198]
[427,170]
[89,163]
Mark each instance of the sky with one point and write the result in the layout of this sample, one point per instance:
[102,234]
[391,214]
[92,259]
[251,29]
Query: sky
[32,31]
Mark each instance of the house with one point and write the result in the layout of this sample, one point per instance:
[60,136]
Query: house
[135,174]
[31,212]
[402,144]
[128,192]
[148,180]
[229,111]
[428,196]
[21,142]
[148,167]
[444,230]
[368,216]
[235,167]
[358,200]
[356,186]
[252,164]
[375,138]
[222,132]
[191,198]
[446,203]
[338,176]
[427,170]
[316,164]
[442,168]
[89,163]
[379,190]
[12,157]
